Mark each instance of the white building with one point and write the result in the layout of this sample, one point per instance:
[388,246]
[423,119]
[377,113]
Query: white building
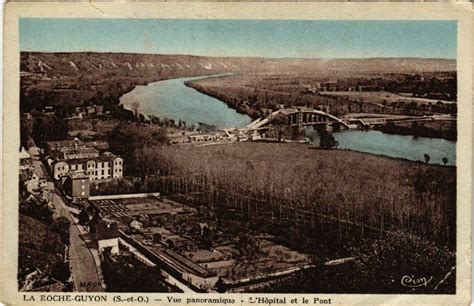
[103,167]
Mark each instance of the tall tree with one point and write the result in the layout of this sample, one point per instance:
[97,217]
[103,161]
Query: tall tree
[427,158]
[279,122]
[327,140]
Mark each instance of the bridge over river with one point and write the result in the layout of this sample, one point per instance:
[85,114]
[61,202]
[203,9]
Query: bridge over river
[302,117]
[172,99]
[296,117]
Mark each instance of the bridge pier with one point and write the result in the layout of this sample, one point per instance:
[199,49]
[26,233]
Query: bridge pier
[300,123]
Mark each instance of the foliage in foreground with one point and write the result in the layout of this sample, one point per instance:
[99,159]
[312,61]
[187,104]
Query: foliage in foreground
[397,263]
[42,248]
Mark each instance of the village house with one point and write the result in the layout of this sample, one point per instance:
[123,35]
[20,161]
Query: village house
[60,145]
[107,236]
[77,185]
[25,159]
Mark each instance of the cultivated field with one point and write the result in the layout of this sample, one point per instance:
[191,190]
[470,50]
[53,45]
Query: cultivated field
[382,97]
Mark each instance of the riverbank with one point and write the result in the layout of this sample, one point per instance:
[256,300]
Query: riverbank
[392,145]
[430,129]
[232,103]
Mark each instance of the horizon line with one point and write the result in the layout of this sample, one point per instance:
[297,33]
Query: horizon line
[244,56]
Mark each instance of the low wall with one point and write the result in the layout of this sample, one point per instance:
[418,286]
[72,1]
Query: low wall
[124,196]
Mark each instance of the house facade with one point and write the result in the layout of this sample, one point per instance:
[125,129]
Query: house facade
[103,167]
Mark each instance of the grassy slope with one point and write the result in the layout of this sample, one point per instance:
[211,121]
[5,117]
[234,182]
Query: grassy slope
[36,234]
[39,246]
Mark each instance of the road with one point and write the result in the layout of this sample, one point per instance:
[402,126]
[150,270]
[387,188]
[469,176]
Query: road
[84,269]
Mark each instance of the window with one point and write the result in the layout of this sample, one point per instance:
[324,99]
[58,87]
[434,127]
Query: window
[102,171]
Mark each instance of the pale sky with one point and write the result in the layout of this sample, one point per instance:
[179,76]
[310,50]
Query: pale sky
[262,38]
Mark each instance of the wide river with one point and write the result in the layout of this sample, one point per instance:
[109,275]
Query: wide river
[401,146]
[173,100]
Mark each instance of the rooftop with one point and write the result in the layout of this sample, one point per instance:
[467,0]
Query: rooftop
[63,143]
[79,150]
[102,158]
[78,175]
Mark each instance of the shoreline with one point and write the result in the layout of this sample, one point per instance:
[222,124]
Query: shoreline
[422,132]
[254,114]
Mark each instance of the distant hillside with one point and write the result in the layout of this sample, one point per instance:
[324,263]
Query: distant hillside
[74,79]
[125,64]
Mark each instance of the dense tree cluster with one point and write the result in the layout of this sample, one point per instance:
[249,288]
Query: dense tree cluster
[327,140]
[396,263]
[48,127]
[137,145]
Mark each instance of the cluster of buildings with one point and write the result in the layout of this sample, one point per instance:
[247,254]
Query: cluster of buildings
[35,187]
[334,86]
[75,163]
[119,230]
[88,111]
[220,136]
[79,112]
[35,197]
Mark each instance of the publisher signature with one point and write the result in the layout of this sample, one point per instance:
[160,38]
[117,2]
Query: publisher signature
[414,282]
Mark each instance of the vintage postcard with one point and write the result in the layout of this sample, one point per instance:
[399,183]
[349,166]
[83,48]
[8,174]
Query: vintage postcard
[237,153]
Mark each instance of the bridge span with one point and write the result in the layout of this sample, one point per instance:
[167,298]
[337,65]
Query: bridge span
[296,117]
